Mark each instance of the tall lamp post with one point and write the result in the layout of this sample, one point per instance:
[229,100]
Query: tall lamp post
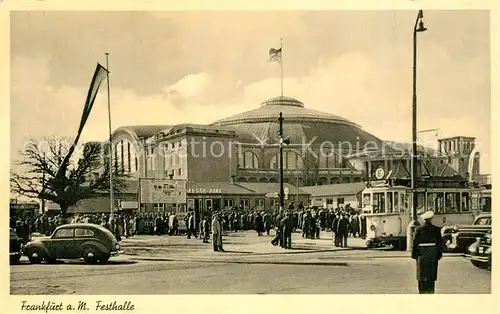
[282,190]
[418,28]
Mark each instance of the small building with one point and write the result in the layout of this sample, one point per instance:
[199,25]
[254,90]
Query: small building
[334,195]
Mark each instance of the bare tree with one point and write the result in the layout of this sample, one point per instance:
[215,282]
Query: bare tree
[86,177]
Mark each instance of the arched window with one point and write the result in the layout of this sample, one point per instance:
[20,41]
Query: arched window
[330,160]
[133,159]
[291,160]
[249,160]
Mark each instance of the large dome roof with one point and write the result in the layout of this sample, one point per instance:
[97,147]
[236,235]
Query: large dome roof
[292,109]
[300,124]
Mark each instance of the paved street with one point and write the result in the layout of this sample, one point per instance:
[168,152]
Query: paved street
[252,265]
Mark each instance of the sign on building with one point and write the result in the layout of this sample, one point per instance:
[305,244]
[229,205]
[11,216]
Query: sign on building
[163,191]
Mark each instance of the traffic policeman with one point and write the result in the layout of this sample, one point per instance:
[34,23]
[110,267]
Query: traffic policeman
[427,251]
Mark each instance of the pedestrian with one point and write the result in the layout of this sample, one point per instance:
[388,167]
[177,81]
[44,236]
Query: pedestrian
[318,227]
[191,229]
[343,230]
[217,234]
[287,224]
[258,224]
[336,234]
[267,222]
[427,251]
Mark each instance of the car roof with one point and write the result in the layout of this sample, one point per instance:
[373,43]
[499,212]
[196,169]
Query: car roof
[86,225]
[83,225]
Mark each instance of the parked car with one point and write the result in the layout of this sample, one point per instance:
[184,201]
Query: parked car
[458,238]
[92,242]
[15,247]
[479,252]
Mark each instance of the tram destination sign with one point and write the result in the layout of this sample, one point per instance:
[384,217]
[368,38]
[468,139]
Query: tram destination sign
[162,191]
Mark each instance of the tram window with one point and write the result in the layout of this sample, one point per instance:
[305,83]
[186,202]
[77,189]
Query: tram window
[486,204]
[396,202]
[421,203]
[366,199]
[465,202]
[439,208]
[378,203]
[475,202]
[452,202]
[431,201]
[404,202]
[389,202]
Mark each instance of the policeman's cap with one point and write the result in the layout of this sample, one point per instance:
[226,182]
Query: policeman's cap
[427,215]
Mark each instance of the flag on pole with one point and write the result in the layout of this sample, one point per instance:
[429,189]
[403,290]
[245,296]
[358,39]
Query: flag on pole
[275,55]
[99,75]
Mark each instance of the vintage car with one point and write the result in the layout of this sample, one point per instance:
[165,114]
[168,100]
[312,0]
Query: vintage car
[15,247]
[71,241]
[479,253]
[458,238]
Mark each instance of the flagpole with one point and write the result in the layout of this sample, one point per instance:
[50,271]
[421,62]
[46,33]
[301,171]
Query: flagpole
[281,65]
[111,201]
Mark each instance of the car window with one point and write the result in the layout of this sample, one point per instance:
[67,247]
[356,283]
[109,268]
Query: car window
[80,232]
[483,221]
[64,233]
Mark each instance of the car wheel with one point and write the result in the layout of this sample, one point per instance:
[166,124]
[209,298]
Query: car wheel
[104,258]
[481,265]
[90,255]
[50,260]
[35,257]
[14,259]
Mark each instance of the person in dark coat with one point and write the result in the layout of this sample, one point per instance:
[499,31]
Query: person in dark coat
[258,224]
[336,235]
[287,231]
[268,220]
[343,230]
[427,251]
[278,239]
[205,229]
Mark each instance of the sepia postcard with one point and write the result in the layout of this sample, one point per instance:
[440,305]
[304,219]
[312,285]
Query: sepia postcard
[193,157]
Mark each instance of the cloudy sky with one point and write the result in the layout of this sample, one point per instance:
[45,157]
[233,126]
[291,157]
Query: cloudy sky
[175,67]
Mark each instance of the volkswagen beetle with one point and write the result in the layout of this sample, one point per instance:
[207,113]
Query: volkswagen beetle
[92,242]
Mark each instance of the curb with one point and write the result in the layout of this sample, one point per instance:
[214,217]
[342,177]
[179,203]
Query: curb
[241,259]
[287,252]
[318,263]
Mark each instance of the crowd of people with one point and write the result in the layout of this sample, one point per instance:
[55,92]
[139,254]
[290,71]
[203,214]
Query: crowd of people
[341,221]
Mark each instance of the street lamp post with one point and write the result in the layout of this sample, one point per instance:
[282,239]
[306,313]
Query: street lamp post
[419,27]
[282,190]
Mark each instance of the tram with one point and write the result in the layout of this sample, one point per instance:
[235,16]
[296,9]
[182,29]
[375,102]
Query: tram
[481,200]
[387,207]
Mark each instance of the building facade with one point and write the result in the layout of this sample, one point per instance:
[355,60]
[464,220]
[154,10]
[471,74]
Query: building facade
[235,161]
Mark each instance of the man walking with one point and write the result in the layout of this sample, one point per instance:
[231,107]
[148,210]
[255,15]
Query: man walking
[427,251]
[287,231]
[343,230]
[191,229]
[217,234]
